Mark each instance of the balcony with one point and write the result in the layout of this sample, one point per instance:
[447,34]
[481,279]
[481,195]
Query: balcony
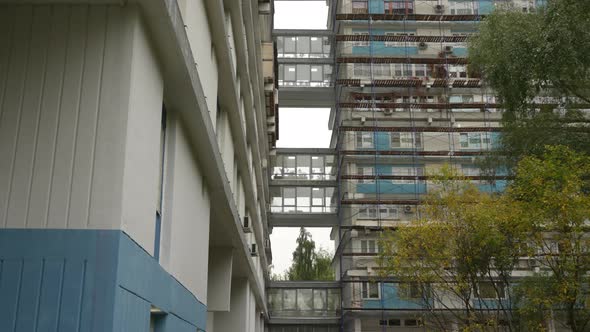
[304,302]
[303,187]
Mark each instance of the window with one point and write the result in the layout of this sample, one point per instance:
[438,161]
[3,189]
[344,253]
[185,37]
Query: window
[406,140]
[395,322]
[463,7]
[475,140]
[367,212]
[401,7]
[381,211]
[364,140]
[360,43]
[421,70]
[470,170]
[365,171]
[411,291]
[360,7]
[369,246]
[381,70]
[406,171]
[370,290]
[402,70]
[397,43]
[389,211]
[412,322]
[490,290]
[456,71]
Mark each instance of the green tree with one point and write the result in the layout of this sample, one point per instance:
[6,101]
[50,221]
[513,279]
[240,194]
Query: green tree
[551,197]
[530,58]
[461,250]
[308,263]
[465,239]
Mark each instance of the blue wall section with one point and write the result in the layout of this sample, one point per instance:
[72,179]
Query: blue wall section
[389,186]
[391,299]
[485,7]
[87,280]
[378,48]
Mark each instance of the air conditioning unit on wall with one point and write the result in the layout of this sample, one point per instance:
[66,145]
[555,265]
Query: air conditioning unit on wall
[439,9]
[422,46]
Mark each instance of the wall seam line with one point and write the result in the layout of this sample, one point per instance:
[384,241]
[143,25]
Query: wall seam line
[58,116]
[73,163]
[97,117]
[39,111]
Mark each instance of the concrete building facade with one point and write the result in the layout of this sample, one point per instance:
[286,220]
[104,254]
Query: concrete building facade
[135,138]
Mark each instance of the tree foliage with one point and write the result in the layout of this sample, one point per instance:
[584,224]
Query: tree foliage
[309,263]
[529,58]
[463,242]
[465,239]
[551,196]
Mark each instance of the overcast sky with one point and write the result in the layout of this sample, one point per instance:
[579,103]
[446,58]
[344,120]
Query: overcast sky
[300,127]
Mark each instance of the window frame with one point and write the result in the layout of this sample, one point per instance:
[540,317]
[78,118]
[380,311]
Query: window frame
[366,290]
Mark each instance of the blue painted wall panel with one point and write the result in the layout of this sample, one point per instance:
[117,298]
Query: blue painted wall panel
[9,292]
[391,299]
[460,51]
[29,295]
[50,296]
[485,7]
[76,280]
[388,187]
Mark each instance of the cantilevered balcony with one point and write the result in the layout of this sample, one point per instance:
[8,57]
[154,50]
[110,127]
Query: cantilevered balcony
[304,302]
[303,186]
[305,67]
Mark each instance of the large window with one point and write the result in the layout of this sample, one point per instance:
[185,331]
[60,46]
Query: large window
[360,7]
[406,140]
[475,140]
[406,171]
[364,140]
[379,211]
[369,246]
[402,7]
[370,290]
[365,171]
[463,7]
[396,43]
[359,42]
[490,290]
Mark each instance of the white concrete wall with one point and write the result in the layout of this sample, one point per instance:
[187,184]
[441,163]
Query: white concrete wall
[65,74]
[143,142]
[186,213]
[198,32]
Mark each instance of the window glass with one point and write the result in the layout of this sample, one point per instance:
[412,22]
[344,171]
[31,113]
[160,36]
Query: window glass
[289,299]
[360,7]
[304,299]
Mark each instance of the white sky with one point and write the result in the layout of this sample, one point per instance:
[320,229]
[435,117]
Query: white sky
[301,128]
[300,15]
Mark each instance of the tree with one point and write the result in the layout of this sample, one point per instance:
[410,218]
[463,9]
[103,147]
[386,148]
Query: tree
[309,264]
[551,196]
[530,58]
[465,239]
[460,254]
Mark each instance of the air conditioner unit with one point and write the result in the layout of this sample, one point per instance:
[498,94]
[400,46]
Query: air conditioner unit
[253,250]
[448,49]
[388,111]
[422,45]
[408,209]
[267,243]
[363,119]
[439,9]
[246,225]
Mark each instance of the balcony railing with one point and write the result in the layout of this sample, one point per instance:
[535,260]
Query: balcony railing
[304,300]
